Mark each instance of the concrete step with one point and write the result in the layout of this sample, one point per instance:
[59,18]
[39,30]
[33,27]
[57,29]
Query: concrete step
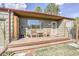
[30,42]
[26,48]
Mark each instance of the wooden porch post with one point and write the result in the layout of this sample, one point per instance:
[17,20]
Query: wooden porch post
[16,27]
[65,29]
[77,32]
[66,32]
[9,25]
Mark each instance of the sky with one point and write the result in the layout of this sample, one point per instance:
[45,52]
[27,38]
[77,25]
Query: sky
[66,9]
[70,10]
[21,6]
[32,6]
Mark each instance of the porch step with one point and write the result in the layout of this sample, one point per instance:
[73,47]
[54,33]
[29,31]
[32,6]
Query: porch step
[34,41]
[25,48]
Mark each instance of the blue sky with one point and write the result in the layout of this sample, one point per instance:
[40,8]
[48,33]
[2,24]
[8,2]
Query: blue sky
[67,9]
[70,10]
[32,6]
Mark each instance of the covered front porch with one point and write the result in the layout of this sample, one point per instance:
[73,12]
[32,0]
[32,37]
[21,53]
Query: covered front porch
[35,27]
[50,30]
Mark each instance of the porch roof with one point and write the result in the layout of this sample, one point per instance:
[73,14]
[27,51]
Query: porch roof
[37,15]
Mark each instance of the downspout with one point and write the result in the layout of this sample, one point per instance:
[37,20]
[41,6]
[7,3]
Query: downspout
[9,18]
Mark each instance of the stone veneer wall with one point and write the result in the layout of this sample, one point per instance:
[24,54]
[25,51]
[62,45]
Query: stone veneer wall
[48,25]
[5,15]
[12,22]
[62,29]
[70,35]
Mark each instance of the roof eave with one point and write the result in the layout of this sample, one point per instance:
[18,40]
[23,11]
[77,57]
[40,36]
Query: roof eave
[35,13]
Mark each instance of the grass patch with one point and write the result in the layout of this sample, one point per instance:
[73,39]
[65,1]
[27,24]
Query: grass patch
[58,50]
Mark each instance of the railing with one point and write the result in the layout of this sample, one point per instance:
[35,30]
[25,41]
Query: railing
[37,32]
[46,32]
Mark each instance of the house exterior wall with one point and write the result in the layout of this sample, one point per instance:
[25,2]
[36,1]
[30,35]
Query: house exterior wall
[49,26]
[46,24]
[60,31]
[69,28]
[23,26]
[62,27]
[11,24]
[5,16]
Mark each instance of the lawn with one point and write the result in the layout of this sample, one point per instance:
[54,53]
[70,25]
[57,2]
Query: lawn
[58,50]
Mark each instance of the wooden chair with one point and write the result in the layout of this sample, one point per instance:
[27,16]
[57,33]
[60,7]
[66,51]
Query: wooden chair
[45,32]
[39,32]
[33,33]
[48,31]
[28,33]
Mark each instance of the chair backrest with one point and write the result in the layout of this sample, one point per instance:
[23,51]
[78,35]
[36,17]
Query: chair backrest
[33,31]
[28,31]
[48,30]
[44,31]
[39,30]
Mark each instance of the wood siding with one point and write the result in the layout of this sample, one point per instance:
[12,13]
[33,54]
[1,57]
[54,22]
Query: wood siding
[16,28]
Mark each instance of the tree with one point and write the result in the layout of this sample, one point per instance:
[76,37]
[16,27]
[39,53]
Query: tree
[77,18]
[52,9]
[38,9]
[76,21]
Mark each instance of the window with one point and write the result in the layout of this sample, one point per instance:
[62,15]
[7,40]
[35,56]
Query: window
[34,23]
[54,25]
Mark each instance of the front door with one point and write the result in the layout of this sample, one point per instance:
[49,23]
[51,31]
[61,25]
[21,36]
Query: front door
[2,32]
[53,28]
